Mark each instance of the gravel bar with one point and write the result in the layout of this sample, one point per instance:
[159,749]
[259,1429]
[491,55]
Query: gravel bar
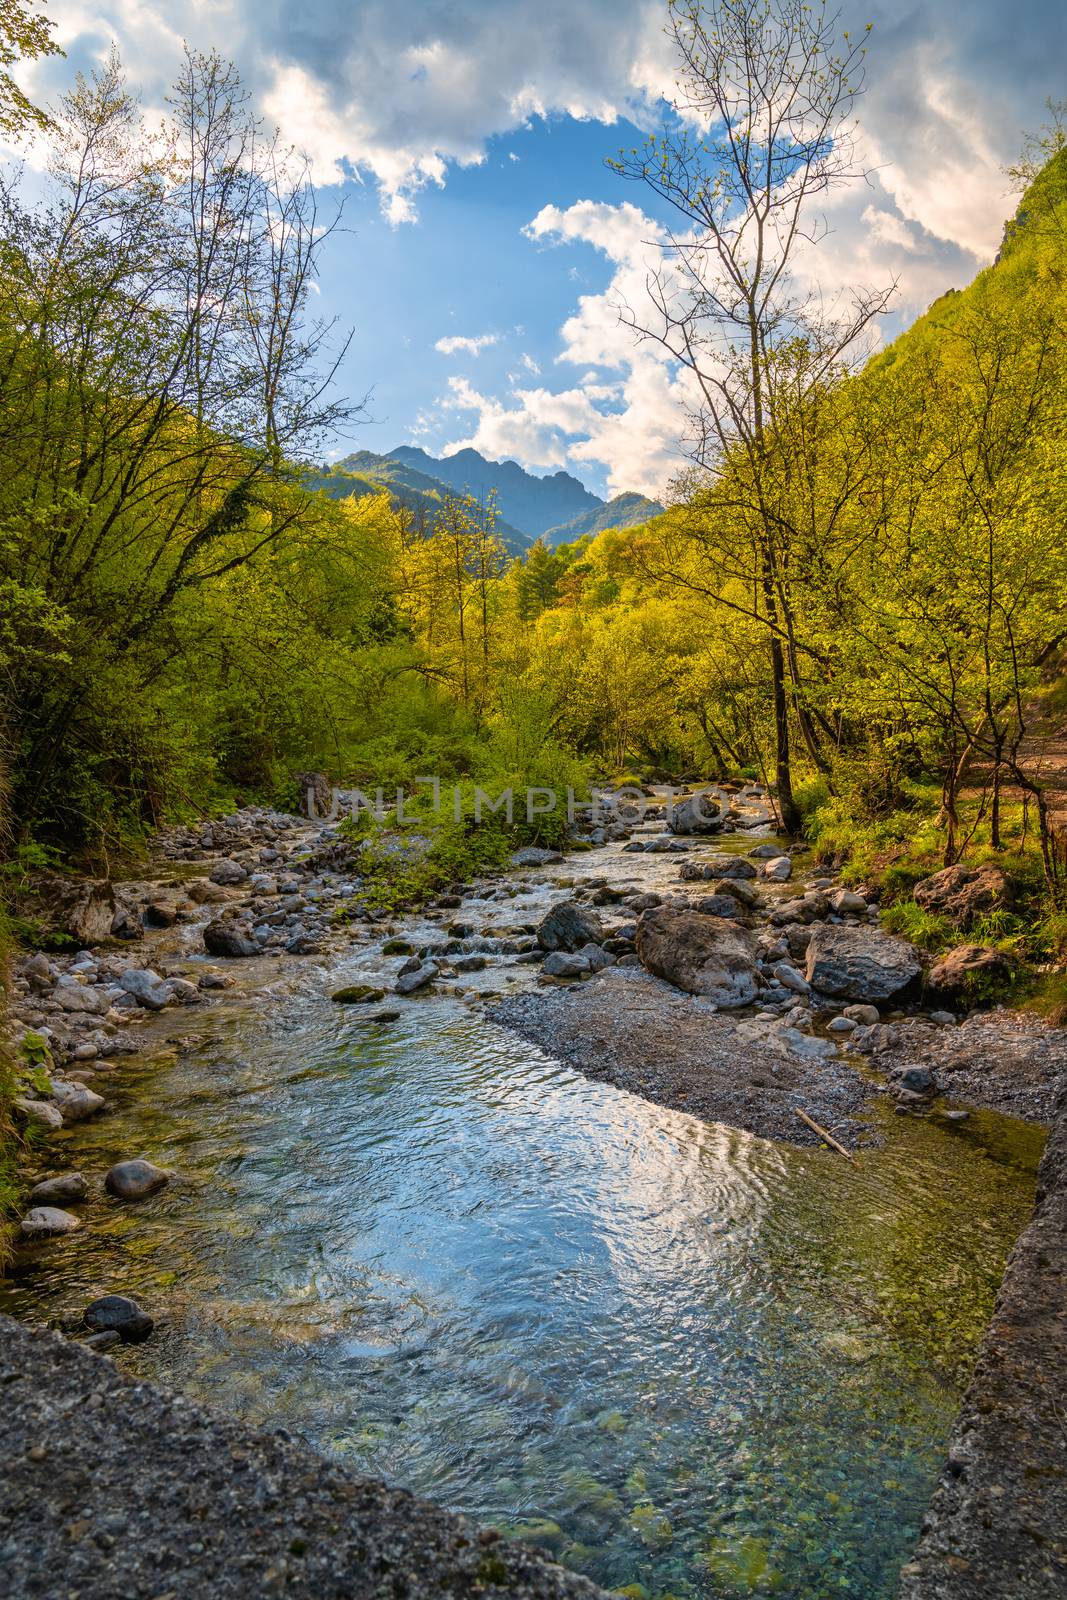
[110,1487]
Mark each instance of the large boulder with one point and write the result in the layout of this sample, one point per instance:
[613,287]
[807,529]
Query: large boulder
[709,956]
[568,926]
[963,894]
[698,813]
[969,968]
[859,963]
[81,908]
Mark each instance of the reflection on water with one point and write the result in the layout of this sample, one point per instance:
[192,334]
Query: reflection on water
[678,1356]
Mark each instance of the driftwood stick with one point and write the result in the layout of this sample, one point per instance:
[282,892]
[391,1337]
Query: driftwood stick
[828,1137]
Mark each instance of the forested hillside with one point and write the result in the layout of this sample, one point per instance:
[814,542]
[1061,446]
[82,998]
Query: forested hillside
[184,620]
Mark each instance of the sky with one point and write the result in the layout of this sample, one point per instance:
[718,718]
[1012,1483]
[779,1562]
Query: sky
[486,246]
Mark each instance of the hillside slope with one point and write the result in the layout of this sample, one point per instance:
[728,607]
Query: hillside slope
[625,511]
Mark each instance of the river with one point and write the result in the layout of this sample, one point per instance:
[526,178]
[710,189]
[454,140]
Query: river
[681,1357]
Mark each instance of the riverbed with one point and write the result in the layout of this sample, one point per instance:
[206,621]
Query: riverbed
[677,1355]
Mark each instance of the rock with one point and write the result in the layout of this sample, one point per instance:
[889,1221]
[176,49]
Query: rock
[700,813]
[709,956]
[358,994]
[568,926]
[135,1179]
[946,1018]
[316,794]
[65,1190]
[41,1113]
[719,905]
[842,1025]
[44,1222]
[159,914]
[226,939]
[227,872]
[846,903]
[471,964]
[916,1080]
[741,891]
[969,967]
[791,978]
[113,1313]
[181,990]
[81,908]
[778,869]
[70,995]
[146,987]
[303,944]
[417,978]
[203,893]
[766,852]
[963,894]
[597,957]
[859,963]
[75,1102]
[532,855]
[563,964]
[865,1016]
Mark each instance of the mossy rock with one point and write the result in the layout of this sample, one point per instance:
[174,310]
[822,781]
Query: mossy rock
[358,994]
[397,947]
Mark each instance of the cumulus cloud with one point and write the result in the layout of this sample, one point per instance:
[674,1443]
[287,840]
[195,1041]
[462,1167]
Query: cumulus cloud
[456,344]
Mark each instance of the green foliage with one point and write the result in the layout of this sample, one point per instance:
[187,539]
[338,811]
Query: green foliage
[924,928]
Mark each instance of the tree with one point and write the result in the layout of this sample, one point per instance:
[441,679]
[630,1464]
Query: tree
[24,34]
[765,99]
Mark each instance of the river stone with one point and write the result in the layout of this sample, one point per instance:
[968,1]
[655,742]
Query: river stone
[75,1102]
[227,939]
[159,914]
[842,1025]
[113,1313]
[709,956]
[778,869]
[532,855]
[65,1190]
[146,987]
[227,872]
[40,1112]
[765,852]
[135,1179]
[358,994]
[44,1222]
[859,963]
[963,894]
[700,813]
[744,892]
[203,893]
[418,977]
[564,964]
[865,1016]
[847,903]
[82,908]
[718,905]
[181,990]
[70,995]
[568,926]
[791,978]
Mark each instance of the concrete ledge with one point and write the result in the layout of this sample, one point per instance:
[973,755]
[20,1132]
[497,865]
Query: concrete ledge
[109,1487]
[997,1525]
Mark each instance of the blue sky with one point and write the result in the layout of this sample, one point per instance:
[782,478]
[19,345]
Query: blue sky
[450,238]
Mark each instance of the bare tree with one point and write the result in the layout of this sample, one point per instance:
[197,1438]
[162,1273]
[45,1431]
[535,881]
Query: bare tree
[764,128]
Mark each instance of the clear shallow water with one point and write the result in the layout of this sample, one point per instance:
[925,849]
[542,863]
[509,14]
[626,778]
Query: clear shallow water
[677,1355]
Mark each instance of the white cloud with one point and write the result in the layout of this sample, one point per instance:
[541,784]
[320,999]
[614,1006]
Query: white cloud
[456,344]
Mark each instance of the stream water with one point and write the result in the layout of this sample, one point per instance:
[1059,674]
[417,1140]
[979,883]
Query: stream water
[678,1356]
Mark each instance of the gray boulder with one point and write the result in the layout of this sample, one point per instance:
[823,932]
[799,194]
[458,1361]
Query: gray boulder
[778,869]
[146,987]
[709,956]
[568,926]
[532,855]
[135,1179]
[44,1222]
[75,1102]
[39,1113]
[227,872]
[859,963]
[969,967]
[416,976]
[963,894]
[66,1190]
[699,813]
[563,964]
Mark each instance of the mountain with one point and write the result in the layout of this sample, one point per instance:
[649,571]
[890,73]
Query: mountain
[625,511]
[528,502]
[366,473]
